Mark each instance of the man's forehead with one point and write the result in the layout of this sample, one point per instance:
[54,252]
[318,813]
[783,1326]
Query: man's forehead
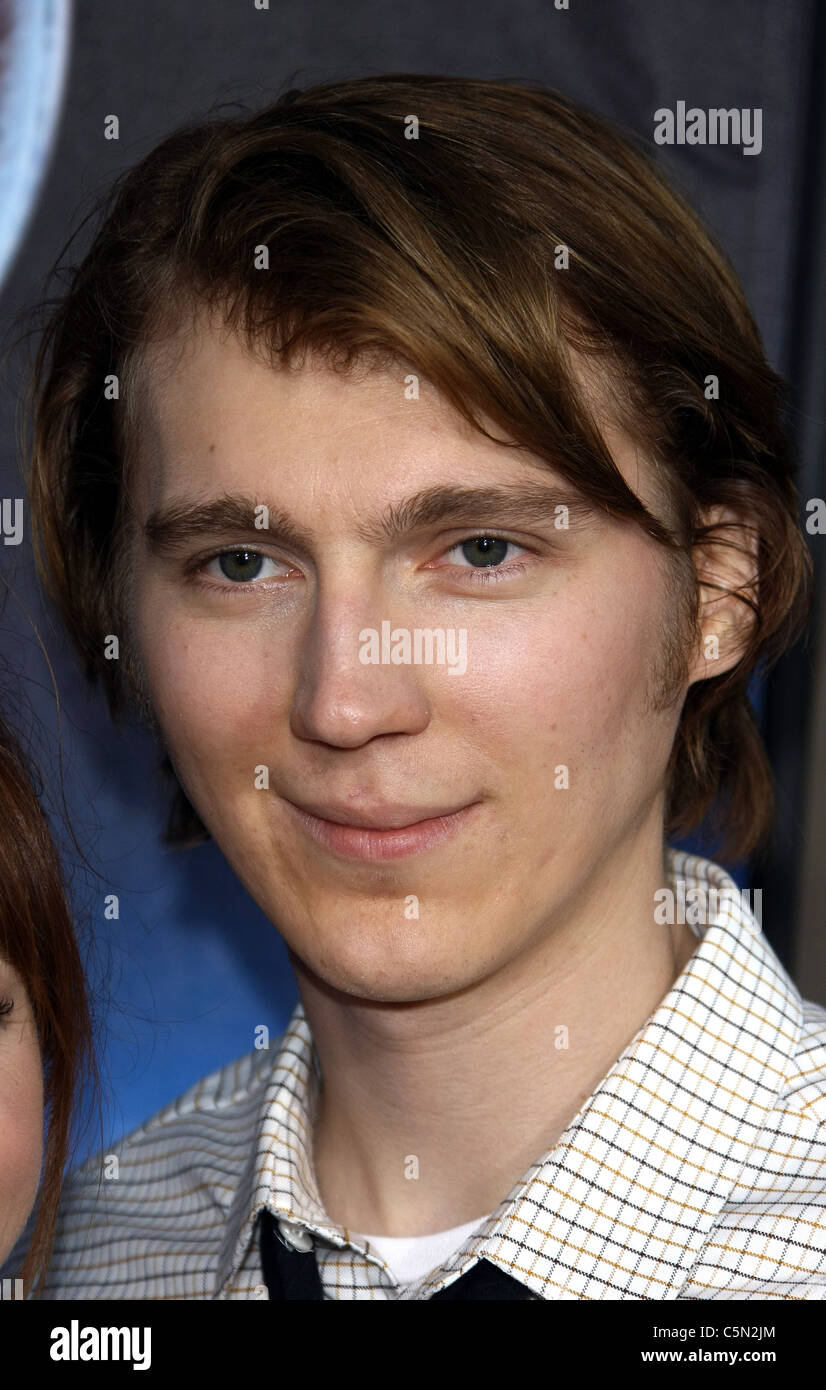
[197,380]
[208,357]
[206,392]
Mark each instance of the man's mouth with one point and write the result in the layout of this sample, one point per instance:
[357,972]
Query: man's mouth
[386,832]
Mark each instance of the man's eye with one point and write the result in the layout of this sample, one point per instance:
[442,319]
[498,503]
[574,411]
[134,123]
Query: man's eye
[484,552]
[241,566]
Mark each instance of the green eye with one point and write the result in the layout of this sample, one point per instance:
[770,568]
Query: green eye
[241,565]
[485,550]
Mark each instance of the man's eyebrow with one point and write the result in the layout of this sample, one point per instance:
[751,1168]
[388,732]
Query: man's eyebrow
[176,523]
[521,503]
[179,522]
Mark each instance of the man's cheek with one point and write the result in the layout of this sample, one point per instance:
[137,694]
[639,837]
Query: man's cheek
[206,684]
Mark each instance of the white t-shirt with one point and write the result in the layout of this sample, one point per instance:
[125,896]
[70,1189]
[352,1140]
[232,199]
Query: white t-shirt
[411,1257]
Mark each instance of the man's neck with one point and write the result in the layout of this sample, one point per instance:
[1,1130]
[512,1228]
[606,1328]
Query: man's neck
[429,1113]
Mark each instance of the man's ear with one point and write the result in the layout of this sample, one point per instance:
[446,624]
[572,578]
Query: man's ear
[725,562]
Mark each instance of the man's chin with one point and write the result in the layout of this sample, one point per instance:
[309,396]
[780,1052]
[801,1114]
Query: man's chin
[378,976]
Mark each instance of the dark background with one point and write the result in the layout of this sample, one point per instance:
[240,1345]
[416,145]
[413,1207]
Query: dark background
[191,966]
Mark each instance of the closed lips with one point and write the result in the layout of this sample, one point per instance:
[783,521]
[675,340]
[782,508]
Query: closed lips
[388,818]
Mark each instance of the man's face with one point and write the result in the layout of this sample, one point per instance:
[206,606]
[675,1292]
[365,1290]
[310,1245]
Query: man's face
[516,777]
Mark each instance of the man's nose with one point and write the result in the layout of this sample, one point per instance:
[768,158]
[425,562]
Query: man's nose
[345,700]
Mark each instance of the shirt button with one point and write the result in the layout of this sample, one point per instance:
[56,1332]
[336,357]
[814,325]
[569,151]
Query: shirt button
[296,1236]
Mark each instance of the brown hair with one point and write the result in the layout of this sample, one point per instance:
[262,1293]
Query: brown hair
[37,939]
[427,219]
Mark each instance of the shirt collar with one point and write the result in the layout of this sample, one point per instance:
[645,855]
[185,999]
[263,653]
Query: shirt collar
[627,1195]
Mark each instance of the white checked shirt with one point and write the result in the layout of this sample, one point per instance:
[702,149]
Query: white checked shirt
[696,1169]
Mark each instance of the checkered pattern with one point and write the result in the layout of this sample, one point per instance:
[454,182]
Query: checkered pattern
[697,1169]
